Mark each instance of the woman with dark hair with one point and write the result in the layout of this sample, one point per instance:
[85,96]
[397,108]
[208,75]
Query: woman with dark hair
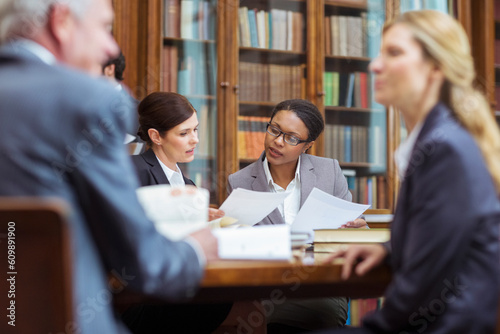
[169,126]
[284,167]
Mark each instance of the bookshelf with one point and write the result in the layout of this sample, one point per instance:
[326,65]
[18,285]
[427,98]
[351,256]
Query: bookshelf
[226,59]
[272,63]
[356,127]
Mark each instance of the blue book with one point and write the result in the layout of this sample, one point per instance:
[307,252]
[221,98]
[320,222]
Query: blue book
[350,91]
[252,22]
[347,143]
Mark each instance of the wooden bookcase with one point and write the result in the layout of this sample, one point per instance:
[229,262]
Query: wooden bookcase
[496,60]
[234,81]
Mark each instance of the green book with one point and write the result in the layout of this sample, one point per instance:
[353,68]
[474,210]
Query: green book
[335,89]
[328,82]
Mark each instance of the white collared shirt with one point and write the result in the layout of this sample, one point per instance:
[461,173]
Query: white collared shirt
[41,52]
[402,155]
[174,177]
[291,205]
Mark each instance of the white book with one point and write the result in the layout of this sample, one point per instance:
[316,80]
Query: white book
[261,28]
[343,36]
[269,242]
[289,30]
[187,10]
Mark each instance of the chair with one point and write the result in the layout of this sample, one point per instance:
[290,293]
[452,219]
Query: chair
[40,276]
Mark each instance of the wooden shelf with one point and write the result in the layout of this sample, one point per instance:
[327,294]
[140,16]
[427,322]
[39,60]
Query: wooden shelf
[201,97]
[358,110]
[260,104]
[359,165]
[176,40]
[358,4]
[261,55]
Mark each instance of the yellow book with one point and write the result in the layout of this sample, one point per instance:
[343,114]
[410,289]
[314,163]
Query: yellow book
[352,235]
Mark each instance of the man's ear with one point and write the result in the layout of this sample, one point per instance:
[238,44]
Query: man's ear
[109,71]
[61,23]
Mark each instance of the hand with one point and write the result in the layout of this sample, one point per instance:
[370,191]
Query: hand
[357,223]
[215,214]
[208,243]
[369,256]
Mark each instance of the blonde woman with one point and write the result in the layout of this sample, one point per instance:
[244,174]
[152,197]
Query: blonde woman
[444,249]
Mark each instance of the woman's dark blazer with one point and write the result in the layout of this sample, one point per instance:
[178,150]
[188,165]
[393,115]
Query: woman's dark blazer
[445,238]
[149,170]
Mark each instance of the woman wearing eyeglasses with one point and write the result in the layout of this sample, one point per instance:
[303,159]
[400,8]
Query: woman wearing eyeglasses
[284,167]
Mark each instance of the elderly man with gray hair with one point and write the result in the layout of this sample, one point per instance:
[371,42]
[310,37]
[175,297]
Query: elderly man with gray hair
[61,135]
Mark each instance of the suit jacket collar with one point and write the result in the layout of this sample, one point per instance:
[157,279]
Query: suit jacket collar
[307,183]
[439,113]
[18,50]
[155,167]
[156,170]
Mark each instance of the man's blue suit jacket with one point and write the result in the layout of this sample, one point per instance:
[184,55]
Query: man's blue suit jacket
[61,135]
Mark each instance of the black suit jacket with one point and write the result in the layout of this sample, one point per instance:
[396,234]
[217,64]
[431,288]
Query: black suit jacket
[445,238]
[149,170]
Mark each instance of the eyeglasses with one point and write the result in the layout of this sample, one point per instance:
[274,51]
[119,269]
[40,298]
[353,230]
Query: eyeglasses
[288,138]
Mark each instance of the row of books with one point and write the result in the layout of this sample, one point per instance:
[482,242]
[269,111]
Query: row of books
[271,82]
[192,74]
[439,5]
[277,29]
[359,308]
[352,143]
[367,189]
[190,19]
[347,89]
[346,35]
[251,135]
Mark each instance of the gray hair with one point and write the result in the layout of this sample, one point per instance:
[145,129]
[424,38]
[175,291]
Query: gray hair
[24,18]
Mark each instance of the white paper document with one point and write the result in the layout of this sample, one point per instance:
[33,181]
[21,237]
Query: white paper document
[269,242]
[176,212]
[324,211]
[250,207]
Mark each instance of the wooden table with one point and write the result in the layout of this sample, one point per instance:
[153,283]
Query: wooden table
[227,281]
[239,280]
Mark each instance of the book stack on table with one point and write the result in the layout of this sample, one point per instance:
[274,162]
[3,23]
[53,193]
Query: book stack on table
[331,240]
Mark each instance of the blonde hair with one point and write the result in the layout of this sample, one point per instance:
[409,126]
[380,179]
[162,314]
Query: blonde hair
[445,43]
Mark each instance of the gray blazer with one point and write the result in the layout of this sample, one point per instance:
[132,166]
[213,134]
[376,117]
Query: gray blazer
[61,135]
[322,173]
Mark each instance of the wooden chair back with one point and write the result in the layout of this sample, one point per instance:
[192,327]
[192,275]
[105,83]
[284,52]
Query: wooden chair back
[35,269]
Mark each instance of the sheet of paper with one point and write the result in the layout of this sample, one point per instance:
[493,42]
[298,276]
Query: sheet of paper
[250,207]
[269,242]
[176,212]
[324,211]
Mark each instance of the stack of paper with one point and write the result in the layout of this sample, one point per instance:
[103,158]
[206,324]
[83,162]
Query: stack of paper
[324,211]
[176,212]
